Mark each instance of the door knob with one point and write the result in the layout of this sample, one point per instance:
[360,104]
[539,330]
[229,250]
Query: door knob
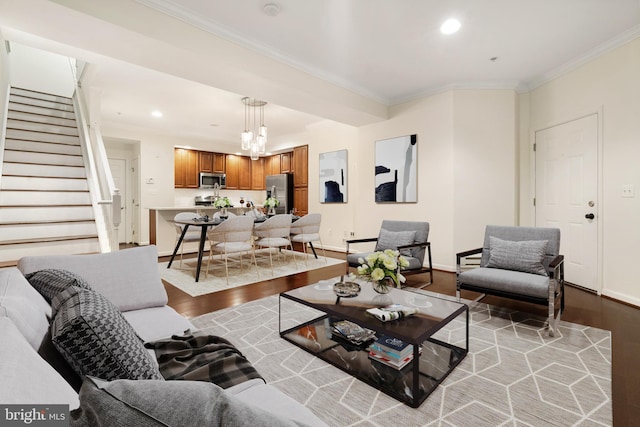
[590,216]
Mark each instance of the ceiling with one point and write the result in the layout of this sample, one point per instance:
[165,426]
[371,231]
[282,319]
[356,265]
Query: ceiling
[363,54]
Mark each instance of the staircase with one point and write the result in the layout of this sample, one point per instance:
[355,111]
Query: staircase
[45,204]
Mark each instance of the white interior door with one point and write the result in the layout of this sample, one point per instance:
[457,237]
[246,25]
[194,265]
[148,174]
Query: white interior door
[119,172]
[135,200]
[566,160]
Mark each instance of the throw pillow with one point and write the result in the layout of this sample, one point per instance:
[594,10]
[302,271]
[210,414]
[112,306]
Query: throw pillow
[166,403]
[392,239]
[525,256]
[95,339]
[50,282]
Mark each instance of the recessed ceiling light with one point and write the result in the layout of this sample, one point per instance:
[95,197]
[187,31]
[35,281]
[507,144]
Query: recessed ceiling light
[271,9]
[156,113]
[450,26]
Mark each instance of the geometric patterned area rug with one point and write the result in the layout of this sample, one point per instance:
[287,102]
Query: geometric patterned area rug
[513,375]
[283,265]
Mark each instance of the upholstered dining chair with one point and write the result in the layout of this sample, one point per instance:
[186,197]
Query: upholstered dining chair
[408,237]
[192,235]
[522,263]
[233,236]
[274,233]
[306,230]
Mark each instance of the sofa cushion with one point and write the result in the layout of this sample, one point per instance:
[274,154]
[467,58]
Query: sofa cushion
[153,403]
[525,256]
[393,239]
[25,377]
[26,308]
[96,340]
[51,281]
[128,278]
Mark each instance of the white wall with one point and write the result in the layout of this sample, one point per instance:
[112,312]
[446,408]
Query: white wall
[609,84]
[484,164]
[41,71]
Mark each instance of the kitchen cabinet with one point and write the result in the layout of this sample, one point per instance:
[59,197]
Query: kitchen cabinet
[301,200]
[285,163]
[300,166]
[205,161]
[238,170]
[186,168]
[272,165]
[218,163]
[258,174]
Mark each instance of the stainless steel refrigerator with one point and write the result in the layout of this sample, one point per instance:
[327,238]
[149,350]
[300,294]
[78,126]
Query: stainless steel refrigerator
[281,187]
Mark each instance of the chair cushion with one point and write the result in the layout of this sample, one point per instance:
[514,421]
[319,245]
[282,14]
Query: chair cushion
[525,256]
[231,247]
[95,339]
[392,239]
[305,238]
[515,282]
[51,281]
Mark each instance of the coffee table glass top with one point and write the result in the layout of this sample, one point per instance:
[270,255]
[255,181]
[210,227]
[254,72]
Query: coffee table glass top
[432,310]
[438,332]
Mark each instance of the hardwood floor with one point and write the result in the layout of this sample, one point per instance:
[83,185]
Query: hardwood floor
[581,307]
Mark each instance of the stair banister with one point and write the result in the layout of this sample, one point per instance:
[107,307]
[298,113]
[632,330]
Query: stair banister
[99,176]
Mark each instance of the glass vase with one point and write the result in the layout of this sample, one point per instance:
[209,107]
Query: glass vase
[271,211]
[383,286]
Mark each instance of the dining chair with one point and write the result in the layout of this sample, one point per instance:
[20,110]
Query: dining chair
[192,234]
[274,233]
[307,230]
[233,236]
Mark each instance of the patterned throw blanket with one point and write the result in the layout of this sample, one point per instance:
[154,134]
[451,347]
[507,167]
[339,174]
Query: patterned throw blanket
[200,357]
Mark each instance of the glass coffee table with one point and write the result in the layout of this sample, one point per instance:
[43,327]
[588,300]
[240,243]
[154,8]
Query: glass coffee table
[439,333]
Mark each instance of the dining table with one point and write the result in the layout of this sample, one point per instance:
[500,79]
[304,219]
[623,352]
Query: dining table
[204,223]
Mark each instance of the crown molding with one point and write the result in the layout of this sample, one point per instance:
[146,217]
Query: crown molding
[594,53]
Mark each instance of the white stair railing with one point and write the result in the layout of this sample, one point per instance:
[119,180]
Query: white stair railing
[105,197]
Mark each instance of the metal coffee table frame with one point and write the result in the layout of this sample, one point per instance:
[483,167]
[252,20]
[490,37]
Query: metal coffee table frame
[411,384]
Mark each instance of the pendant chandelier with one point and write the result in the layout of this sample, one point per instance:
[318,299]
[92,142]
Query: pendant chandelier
[254,136]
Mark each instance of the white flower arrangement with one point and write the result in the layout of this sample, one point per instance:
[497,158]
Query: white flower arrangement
[271,203]
[378,265]
[222,202]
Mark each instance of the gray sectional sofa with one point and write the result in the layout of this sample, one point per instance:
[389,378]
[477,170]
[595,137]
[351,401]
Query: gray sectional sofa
[130,281]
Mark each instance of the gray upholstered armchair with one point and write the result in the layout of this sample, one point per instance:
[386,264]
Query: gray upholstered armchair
[517,262]
[409,237]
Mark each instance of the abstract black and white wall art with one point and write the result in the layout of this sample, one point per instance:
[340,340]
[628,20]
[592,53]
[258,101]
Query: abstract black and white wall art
[396,170]
[333,177]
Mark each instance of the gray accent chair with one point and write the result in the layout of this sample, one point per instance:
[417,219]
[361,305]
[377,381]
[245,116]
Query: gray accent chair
[409,237]
[522,263]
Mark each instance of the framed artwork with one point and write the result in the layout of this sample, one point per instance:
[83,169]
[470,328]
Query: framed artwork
[396,170]
[333,177]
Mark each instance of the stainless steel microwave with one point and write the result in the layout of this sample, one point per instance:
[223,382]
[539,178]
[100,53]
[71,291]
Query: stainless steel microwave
[209,180]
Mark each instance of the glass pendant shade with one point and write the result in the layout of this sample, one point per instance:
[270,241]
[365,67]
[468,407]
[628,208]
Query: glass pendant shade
[247,136]
[261,141]
[254,137]
[255,155]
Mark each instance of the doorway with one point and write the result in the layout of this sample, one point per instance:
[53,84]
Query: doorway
[119,170]
[567,196]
